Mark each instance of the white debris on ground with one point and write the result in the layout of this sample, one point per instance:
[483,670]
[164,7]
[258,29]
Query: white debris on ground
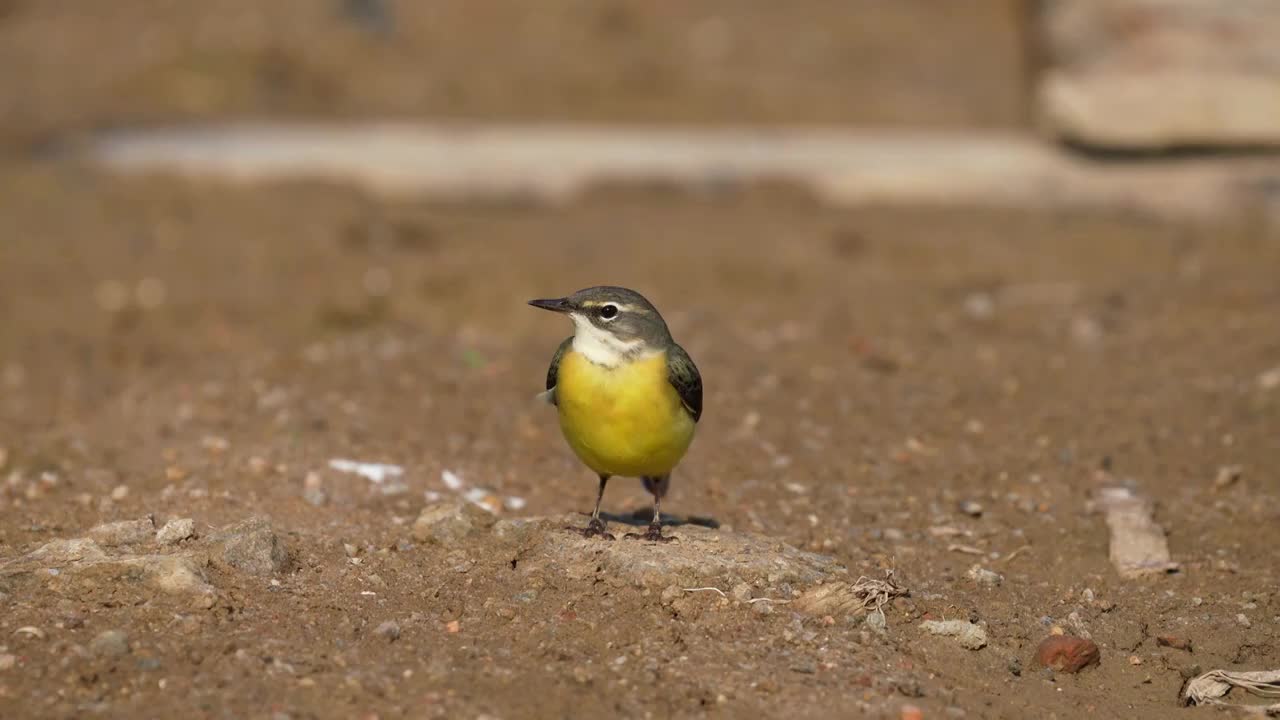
[375,472]
[970,635]
[484,497]
[1138,544]
[1211,687]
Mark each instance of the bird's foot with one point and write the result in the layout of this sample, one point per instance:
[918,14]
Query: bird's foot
[653,534]
[594,529]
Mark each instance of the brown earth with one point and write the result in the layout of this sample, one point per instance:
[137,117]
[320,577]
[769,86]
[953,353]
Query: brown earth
[866,372]
[200,351]
[83,65]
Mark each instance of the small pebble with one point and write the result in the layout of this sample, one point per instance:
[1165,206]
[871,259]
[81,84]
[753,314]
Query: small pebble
[389,630]
[1066,653]
[741,592]
[911,712]
[1015,667]
[120,492]
[8,661]
[175,531]
[970,635]
[1135,660]
[986,577]
[1174,641]
[875,621]
[149,664]
[1244,621]
[971,508]
[110,643]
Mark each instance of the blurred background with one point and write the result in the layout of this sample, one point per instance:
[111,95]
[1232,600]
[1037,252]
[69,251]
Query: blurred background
[928,255]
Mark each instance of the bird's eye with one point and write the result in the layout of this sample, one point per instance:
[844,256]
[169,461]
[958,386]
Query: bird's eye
[609,312]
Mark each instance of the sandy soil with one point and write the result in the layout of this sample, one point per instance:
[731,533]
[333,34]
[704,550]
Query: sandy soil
[207,348]
[82,65]
[910,389]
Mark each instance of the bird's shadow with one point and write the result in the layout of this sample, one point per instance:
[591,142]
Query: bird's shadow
[641,517]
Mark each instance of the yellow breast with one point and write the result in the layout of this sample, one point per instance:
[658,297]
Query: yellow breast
[622,421]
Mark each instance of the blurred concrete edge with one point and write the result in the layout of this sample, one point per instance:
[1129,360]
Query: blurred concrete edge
[557,164]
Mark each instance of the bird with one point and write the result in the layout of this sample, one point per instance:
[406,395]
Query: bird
[627,395]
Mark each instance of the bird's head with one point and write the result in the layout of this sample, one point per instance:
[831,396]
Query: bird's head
[611,324]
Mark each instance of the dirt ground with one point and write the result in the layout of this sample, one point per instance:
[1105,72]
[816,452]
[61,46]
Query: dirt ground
[863,378]
[189,350]
[79,65]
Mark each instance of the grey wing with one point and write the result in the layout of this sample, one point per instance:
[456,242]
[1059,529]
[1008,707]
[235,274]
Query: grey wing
[554,370]
[685,378]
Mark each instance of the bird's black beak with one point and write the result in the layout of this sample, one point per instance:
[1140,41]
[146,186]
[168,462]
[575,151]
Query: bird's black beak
[560,305]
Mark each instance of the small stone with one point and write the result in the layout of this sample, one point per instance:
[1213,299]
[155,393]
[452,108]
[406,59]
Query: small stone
[313,490]
[1227,476]
[1197,602]
[1015,667]
[986,577]
[110,643]
[149,664]
[8,661]
[449,523]
[250,546]
[762,608]
[174,574]
[670,594]
[1243,621]
[453,627]
[125,532]
[120,492]
[1135,660]
[971,508]
[741,592]
[1067,653]
[389,630]
[175,531]
[971,636]
[911,712]
[1269,379]
[875,621]
[215,444]
[1174,641]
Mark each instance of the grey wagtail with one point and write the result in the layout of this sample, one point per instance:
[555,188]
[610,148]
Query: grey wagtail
[627,395]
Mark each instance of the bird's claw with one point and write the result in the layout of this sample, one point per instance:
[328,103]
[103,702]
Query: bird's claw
[594,529]
[653,534]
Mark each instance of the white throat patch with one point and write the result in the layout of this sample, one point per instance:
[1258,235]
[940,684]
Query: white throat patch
[599,346]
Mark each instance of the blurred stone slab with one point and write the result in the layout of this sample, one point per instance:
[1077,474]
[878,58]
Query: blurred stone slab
[1154,74]
[557,164]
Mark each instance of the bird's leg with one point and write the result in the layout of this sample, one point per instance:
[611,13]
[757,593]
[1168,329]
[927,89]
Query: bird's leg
[595,528]
[657,486]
